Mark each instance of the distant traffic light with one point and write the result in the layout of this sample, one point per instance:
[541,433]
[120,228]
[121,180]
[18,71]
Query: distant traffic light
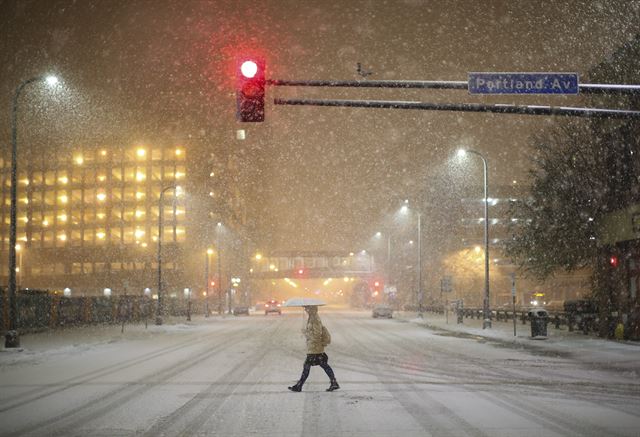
[613,261]
[250,89]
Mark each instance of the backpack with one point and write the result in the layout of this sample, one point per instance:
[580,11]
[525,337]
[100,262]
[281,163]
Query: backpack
[326,337]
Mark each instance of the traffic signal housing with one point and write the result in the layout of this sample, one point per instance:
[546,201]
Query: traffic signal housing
[250,89]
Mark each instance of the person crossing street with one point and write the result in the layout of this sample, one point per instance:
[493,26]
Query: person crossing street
[317,337]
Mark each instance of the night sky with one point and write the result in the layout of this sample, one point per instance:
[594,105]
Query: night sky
[322,178]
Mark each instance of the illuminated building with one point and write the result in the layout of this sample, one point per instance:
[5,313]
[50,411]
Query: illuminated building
[88,218]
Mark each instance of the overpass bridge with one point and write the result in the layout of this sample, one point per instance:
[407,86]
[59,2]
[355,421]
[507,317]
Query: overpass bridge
[310,265]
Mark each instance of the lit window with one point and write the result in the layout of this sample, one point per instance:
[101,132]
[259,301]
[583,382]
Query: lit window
[64,199]
[102,178]
[63,180]
[45,222]
[25,200]
[139,213]
[179,175]
[25,181]
[103,153]
[79,160]
[101,215]
[101,235]
[178,152]
[140,176]
[139,195]
[62,237]
[62,217]
[25,219]
[139,233]
[101,197]
[141,153]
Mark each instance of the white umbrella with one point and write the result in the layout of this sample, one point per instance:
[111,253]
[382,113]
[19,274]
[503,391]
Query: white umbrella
[303,302]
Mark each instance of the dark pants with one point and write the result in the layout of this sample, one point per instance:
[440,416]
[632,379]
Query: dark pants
[321,360]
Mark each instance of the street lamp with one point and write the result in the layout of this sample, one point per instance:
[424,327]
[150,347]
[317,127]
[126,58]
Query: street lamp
[160,218]
[206,279]
[485,307]
[12,338]
[405,210]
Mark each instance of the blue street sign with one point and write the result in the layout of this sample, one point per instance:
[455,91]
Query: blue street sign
[523,83]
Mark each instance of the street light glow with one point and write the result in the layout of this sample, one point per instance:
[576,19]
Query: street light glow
[52,80]
[462,153]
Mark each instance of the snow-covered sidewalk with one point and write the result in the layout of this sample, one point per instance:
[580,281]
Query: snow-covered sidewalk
[618,355]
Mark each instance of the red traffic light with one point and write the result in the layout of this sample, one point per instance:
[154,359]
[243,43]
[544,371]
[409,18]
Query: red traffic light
[613,261]
[249,69]
[250,90]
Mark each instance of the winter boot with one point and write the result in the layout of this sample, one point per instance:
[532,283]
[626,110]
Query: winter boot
[334,385]
[296,387]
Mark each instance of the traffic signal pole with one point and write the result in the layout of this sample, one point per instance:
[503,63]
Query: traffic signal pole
[468,107]
[458,107]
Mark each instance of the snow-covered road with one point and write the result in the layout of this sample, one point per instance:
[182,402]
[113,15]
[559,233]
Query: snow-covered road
[228,377]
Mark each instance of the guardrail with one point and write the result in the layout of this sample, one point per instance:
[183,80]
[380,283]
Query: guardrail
[585,322]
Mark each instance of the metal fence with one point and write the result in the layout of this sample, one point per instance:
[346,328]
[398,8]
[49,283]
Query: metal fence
[37,311]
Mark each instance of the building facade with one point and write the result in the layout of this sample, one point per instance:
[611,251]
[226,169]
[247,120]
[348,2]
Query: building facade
[91,219]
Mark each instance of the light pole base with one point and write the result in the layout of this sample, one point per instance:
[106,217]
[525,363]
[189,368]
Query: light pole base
[486,324]
[158,320]
[11,339]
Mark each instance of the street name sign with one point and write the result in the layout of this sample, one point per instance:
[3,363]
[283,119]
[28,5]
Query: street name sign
[513,284]
[523,83]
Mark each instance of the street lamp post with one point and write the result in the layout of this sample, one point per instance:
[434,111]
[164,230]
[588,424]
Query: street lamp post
[206,279]
[19,279]
[12,339]
[405,208]
[187,292]
[485,307]
[420,291]
[219,265]
[160,219]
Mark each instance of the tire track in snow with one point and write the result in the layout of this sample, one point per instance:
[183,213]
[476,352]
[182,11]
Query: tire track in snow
[71,422]
[419,406]
[202,407]
[554,421]
[52,389]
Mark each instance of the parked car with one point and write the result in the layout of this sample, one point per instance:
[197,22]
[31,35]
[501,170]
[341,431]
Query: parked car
[240,310]
[382,311]
[272,306]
